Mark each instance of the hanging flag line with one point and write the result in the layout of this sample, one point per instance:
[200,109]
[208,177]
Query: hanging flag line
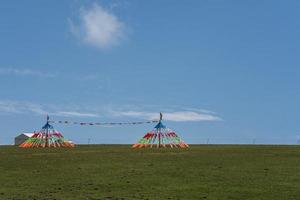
[101,123]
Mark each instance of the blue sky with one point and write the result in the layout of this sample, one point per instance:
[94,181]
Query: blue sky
[223,70]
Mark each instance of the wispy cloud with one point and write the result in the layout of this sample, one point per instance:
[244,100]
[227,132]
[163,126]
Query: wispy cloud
[9,107]
[75,114]
[16,107]
[20,107]
[183,115]
[25,72]
[178,116]
[98,27]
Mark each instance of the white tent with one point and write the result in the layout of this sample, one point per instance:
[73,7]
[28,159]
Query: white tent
[22,138]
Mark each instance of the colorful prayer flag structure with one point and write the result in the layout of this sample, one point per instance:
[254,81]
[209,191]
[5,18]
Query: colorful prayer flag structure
[46,137]
[161,136]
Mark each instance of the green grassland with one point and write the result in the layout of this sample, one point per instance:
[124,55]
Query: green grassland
[119,172]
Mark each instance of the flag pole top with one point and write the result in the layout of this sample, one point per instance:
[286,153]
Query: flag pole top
[160,116]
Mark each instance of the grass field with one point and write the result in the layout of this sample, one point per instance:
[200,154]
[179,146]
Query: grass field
[119,172]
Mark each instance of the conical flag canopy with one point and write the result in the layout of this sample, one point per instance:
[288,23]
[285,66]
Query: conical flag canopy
[161,136]
[47,137]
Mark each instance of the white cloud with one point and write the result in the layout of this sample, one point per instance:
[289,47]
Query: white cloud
[179,116]
[98,27]
[25,72]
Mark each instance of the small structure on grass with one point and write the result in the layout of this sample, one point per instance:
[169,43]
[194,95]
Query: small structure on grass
[22,138]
